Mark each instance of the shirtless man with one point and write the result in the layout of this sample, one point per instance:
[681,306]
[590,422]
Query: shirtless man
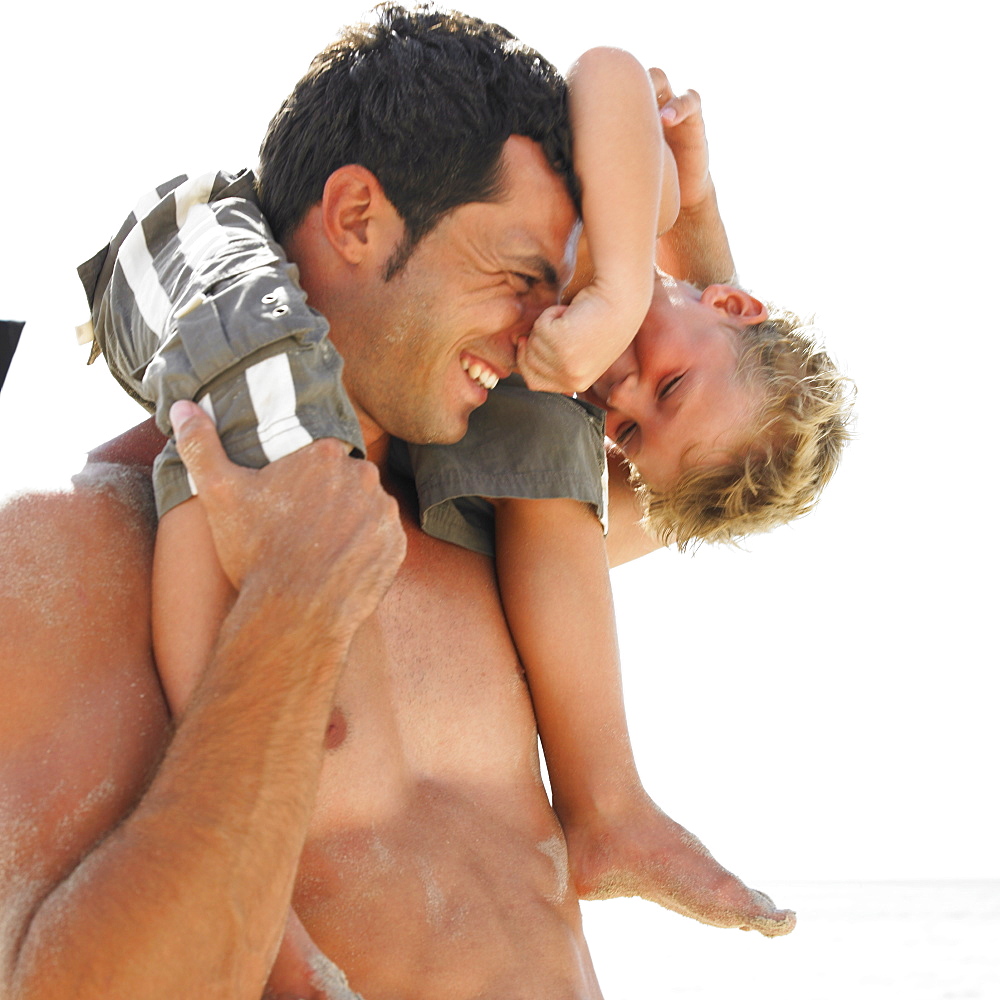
[369,760]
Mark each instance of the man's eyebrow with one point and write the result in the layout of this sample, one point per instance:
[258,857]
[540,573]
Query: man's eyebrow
[537,264]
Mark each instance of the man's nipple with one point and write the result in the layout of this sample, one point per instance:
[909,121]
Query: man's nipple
[336,730]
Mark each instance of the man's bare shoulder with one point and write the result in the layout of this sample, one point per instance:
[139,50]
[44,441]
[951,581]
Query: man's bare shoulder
[74,589]
[65,550]
[82,716]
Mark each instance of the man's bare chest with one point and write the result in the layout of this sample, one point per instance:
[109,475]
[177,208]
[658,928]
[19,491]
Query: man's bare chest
[433,689]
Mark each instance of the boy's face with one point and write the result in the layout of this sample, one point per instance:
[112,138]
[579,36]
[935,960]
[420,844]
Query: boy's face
[672,398]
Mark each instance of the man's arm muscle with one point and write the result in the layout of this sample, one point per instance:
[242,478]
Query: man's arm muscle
[82,718]
[696,248]
[188,894]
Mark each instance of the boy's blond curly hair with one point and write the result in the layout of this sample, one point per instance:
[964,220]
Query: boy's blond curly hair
[802,427]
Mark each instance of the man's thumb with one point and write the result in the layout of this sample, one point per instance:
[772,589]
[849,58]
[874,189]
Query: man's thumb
[197,440]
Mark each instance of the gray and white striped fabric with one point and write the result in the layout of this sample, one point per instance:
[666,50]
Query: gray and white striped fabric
[194,299]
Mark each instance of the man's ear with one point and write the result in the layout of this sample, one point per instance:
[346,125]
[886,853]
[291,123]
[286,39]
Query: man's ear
[358,219]
[735,303]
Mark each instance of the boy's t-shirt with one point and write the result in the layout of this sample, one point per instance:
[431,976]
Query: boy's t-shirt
[194,299]
[533,445]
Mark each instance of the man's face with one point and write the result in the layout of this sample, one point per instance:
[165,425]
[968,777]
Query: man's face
[672,398]
[442,331]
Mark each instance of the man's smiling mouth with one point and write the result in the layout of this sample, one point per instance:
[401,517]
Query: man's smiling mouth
[478,372]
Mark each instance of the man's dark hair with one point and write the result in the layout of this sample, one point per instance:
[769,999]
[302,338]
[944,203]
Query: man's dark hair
[423,98]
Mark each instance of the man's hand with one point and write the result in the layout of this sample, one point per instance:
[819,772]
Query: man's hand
[315,526]
[684,132]
[177,849]
[696,249]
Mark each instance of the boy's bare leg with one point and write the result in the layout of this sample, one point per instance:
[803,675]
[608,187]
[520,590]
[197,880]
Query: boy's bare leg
[191,598]
[645,853]
[557,597]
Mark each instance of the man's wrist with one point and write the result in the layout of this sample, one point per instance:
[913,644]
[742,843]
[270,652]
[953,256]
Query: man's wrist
[697,248]
[705,202]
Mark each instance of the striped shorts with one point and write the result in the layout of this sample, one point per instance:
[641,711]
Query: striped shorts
[195,300]
[273,402]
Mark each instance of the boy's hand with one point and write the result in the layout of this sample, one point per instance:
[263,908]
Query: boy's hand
[684,132]
[570,347]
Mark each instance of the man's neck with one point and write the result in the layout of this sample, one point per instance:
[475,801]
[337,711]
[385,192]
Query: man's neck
[320,271]
[376,445]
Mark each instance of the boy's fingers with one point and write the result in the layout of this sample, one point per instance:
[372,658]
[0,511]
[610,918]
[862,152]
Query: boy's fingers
[197,440]
[537,376]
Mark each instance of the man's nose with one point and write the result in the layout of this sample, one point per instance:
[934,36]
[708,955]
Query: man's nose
[531,308]
[623,394]
[535,305]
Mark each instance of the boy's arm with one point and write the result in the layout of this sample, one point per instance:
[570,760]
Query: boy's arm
[696,247]
[619,157]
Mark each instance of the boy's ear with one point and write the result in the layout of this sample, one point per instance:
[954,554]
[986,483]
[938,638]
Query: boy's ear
[735,303]
[358,219]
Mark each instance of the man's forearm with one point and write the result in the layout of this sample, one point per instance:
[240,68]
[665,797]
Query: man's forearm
[697,249]
[188,896]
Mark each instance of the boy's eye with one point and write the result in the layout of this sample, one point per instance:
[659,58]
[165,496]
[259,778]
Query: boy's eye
[669,387]
[626,434]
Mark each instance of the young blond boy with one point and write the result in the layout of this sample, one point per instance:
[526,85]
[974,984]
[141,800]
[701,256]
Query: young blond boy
[728,419]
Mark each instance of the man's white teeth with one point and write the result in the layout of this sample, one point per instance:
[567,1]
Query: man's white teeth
[486,379]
